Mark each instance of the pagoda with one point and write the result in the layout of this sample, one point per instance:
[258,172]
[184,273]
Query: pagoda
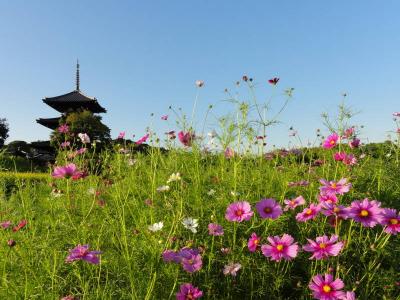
[70,102]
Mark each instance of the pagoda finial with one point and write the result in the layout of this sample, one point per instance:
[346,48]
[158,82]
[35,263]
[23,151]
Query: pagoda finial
[77,75]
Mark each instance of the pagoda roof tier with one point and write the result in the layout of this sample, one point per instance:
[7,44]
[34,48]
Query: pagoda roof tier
[51,123]
[73,101]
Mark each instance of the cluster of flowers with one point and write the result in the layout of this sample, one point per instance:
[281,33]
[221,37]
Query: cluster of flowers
[188,258]
[334,139]
[7,224]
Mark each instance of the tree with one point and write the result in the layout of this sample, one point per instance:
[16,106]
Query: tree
[3,131]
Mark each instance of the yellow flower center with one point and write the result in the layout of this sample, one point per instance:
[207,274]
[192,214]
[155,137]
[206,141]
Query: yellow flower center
[364,213]
[334,185]
[394,221]
[336,210]
[256,242]
[308,212]
[322,245]
[279,247]
[292,202]
[332,142]
[326,288]
[239,212]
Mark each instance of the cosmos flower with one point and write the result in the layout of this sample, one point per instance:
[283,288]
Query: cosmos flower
[85,139]
[11,243]
[269,208]
[273,81]
[239,211]
[280,248]
[199,83]
[325,288]
[215,229]
[335,210]
[121,135]
[81,252]
[20,225]
[143,139]
[332,187]
[191,224]
[366,212]
[5,224]
[232,269]
[190,260]
[186,138]
[350,160]
[391,219]
[164,117]
[308,213]
[354,143]
[188,292]
[331,141]
[67,171]
[229,153]
[323,247]
[292,204]
[65,144]
[327,198]
[163,188]
[63,128]
[211,192]
[156,227]
[174,177]
[254,242]
[171,256]
[339,156]
[349,295]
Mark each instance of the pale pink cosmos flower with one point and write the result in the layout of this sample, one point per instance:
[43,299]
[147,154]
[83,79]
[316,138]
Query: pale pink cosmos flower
[85,139]
[350,295]
[254,242]
[121,135]
[350,160]
[391,219]
[5,224]
[229,153]
[67,171]
[325,288]
[186,138]
[63,128]
[323,247]
[81,252]
[143,139]
[292,204]
[332,187]
[188,292]
[327,198]
[215,229]
[349,132]
[269,208]
[280,248]
[164,117]
[232,269]
[65,144]
[239,211]
[308,213]
[366,212]
[331,141]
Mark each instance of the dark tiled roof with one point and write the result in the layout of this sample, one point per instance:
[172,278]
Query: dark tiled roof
[73,101]
[51,123]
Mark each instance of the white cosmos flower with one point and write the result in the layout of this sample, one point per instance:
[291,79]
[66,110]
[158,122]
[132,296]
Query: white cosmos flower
[84,138]
[174,177]
[163,188]
[156,226]
[211,192]
[191,224]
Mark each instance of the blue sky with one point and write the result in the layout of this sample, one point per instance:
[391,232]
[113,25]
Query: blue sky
[140,57]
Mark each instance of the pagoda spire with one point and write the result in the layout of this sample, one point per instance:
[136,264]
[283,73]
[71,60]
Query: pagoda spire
[77,75]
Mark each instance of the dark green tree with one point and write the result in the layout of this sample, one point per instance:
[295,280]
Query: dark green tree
[3,131]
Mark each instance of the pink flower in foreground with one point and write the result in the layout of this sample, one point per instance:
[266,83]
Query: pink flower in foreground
[280,248]
[239,211]
[308,213]
[366,212]
[339,156]
[325,288]
[391,219]
[332,187]
[332,209]
[188,292]
[215,229]
[186,138]
[121,135]
[63,128]
[81,252]
[67,171]
[323,247]
[232,269]
[327,198]
[190,259]
[143,139]
[292,204]
[269,208]
[331,141]
[354,143]
[254,242]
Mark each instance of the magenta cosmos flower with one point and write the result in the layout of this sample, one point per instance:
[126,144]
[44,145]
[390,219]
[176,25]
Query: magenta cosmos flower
[269,208]
[188,292]
[186,138]
[354,143]
[280,248]
[327,198]
[254,242]
[81,252]
[67,171]
[190,260]
[308,213]
[331,141]
[325,288]
[143,139]
[215,229]
[332,187]
[367,212]
[334,210]
[239,211]
[323,247]
[63,128]
[391,219]
[292,204]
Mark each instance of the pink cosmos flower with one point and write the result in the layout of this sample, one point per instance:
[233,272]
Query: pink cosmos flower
[65,144]
[81,252]
[350,295]
[186,138]
[171,256]
[5,224]
[332,187]
[367,212]
[339,156]
[396,114]
[215,229]
[332,209]
[121,135]
[164,117]
[280,248]
[273,81]
[391,219]
[80,151]
[232,269]
[254,242]
[354,143]
[327,198]
[68,171]
[85,139]
[143,139]
[308,213]
[323,247]
[325,288]
[239,211]
[331,141]
[350,160]
[292,204]
[349,132]
[229,153]
[63,128]
[269,208]
[190,260]
[20,225]
[188,292]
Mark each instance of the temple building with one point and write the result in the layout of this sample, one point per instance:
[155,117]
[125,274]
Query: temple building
[70,102]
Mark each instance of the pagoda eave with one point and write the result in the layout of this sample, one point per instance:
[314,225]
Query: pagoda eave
[51,123]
